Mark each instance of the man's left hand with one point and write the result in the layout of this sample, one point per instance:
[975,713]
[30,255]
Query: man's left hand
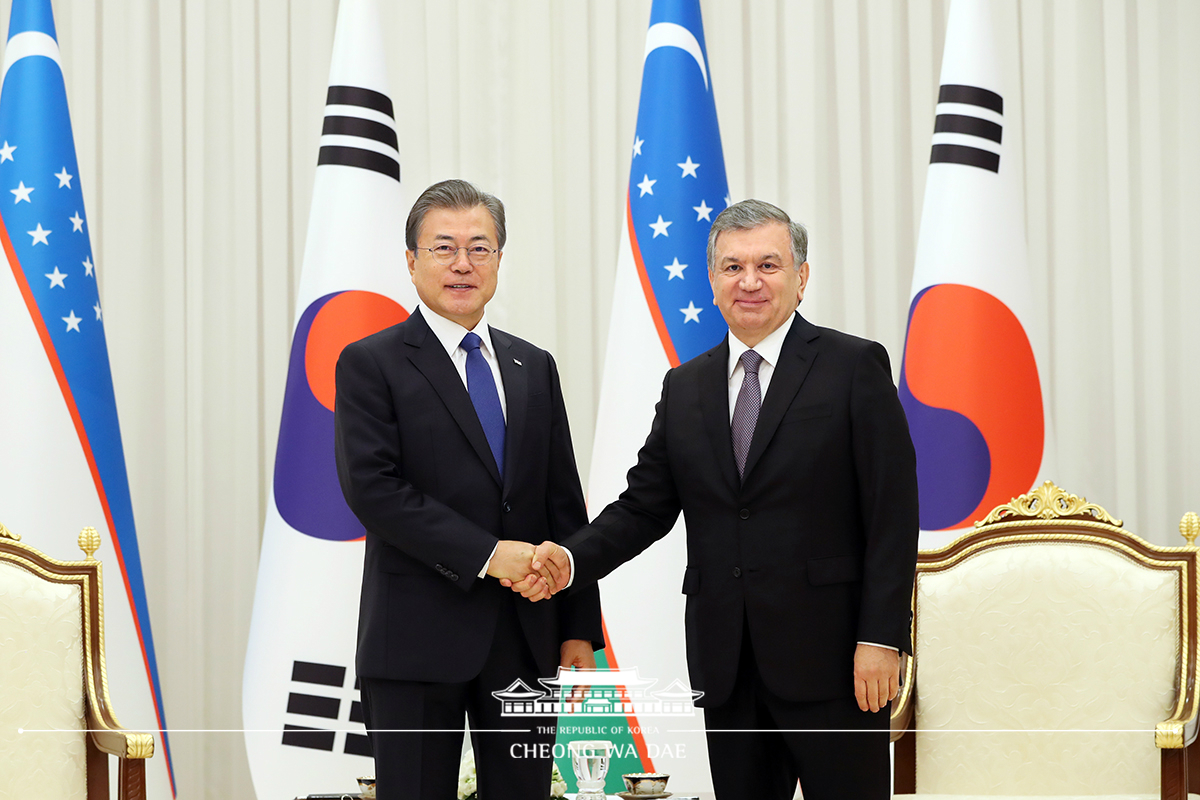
[552,563]
[876,676]
[577,653]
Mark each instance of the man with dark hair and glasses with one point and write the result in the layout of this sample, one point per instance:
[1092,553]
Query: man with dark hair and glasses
[453,450]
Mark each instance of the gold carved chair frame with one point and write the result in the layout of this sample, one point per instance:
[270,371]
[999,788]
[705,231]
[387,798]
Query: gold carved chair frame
[1049,514]
[105,736]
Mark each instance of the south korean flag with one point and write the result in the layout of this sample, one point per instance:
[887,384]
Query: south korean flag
[972,380]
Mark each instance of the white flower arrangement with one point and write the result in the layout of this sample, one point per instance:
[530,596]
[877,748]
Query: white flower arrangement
[558,787]
[468,786]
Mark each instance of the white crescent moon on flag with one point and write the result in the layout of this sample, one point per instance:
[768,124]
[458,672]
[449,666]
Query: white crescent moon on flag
[29,43]
[668,34]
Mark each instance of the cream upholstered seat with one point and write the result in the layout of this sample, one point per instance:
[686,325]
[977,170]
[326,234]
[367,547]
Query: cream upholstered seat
[56,727]
[1054,656]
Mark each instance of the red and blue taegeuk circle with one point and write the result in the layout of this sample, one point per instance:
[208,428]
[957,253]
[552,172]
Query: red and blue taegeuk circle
[307,492]
[969,385]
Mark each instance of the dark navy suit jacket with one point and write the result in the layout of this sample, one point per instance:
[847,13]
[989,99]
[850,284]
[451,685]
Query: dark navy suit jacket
[416,469]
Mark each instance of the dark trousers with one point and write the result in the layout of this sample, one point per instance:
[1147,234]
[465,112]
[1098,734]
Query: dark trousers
[416,728]
[759,745]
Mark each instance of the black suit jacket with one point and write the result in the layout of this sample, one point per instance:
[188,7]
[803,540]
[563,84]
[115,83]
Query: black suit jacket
[416,469]
[815,547]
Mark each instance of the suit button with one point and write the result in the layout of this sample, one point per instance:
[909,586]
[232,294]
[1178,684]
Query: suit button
[453,576]
[737,572]
[507,508]
[744,513]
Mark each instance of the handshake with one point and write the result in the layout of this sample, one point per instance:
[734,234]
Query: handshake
[534,572]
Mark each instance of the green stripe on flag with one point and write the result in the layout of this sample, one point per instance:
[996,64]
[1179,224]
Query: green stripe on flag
[627,756]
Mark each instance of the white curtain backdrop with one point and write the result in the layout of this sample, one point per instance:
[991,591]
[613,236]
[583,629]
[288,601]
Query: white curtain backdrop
[197,122]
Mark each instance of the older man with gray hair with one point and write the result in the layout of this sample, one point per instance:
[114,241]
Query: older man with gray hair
[788,452]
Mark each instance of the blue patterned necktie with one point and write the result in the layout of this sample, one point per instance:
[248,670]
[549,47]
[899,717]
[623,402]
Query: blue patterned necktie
[745,411]
[481,385]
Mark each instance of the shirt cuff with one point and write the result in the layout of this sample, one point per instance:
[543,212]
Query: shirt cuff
[884,646]
[571,562]
[483,572]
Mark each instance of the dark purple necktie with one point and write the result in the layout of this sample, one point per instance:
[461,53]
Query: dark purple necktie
[481,385]
[745,411]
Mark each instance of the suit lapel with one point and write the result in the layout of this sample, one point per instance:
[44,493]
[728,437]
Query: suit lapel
[714,409]
[516,398]
[795,360]
[427,355]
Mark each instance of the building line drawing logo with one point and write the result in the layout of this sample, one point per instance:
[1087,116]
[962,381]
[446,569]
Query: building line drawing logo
[601,692]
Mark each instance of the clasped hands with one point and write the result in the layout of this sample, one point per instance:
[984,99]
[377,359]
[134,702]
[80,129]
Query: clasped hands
[535,573]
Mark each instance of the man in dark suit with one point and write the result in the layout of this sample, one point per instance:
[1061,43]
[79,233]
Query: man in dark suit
[453,450]
[788,452]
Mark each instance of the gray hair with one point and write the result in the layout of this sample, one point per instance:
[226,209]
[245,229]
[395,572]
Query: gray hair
[748,214]
[453,194]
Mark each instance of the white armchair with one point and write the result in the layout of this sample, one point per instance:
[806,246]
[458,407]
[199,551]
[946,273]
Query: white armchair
[1055,655]
[57,729]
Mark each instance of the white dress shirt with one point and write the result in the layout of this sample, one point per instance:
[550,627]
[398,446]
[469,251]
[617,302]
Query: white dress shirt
[451,334]
[769,348]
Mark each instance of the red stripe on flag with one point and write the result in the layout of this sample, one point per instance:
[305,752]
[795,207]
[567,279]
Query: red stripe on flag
[635,729]
[44,334]
[651,300]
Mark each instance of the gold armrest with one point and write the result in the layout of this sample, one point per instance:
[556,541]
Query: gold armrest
[902,709]
[1175,734]
[110,738]
[1180,729]
[124,744]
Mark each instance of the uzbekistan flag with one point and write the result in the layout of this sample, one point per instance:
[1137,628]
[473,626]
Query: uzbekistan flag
[662,315]
[970,381]
[300,704]
[64,466]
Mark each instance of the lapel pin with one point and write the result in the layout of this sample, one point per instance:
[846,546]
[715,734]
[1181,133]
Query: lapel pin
[518,363]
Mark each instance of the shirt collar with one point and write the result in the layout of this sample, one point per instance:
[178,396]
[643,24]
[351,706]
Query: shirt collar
[769,348]
[451,334]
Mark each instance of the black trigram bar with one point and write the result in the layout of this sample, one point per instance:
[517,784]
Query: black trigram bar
[357,744]
[968,156]
[357,157]
[312,738]
[323,674]
[972,126]
[312,705]
[356,714]
[357,96]
[357,126]
[972,96]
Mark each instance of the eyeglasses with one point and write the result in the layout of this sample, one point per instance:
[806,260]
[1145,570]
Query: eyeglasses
[478,254]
